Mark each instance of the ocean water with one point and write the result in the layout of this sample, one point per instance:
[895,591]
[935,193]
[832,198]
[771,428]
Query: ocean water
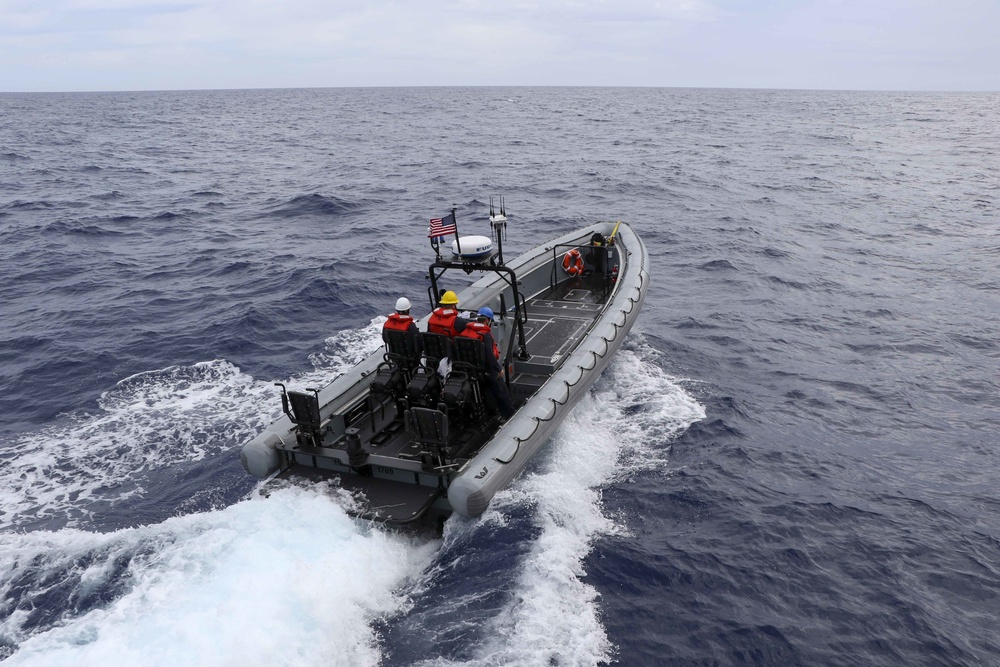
[793,460]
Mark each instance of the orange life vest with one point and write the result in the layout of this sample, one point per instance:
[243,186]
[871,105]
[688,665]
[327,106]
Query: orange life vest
[478,330]
[573,263]
[397,322]
[442,321]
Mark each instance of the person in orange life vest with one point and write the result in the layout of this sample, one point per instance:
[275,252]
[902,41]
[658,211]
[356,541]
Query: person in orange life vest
[445,318]
[401,321]
[480,330]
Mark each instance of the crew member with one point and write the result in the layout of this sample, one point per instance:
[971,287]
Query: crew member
[493,377]
[597,255]
[401,321]
[445,318]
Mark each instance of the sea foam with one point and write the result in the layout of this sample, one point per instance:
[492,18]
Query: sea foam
[286,580]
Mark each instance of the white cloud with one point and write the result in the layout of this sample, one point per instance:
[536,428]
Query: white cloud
[131,44]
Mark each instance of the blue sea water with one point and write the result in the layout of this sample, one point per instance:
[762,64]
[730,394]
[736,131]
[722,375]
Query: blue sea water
[793,460]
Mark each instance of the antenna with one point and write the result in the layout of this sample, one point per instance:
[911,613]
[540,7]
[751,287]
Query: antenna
[498,225]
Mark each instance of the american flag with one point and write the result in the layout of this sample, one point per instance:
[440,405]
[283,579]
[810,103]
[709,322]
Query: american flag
[442,226]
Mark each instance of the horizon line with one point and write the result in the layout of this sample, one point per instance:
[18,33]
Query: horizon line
[453,86]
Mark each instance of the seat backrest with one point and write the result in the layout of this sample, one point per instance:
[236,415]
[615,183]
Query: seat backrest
[471,353]
[436,346]
[428,425]
[305,409]
[400,344]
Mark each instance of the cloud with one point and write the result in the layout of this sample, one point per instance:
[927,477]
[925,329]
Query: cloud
[129,44]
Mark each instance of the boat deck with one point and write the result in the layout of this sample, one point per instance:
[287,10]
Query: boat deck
[558,319]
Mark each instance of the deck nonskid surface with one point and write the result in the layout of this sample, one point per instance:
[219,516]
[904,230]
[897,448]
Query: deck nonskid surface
[559,318]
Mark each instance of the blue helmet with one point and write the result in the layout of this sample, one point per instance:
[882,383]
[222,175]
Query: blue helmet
[486,311]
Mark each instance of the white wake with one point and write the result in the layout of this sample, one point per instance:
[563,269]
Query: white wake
[625,425]
[291,579]
[286,580]
[149,421]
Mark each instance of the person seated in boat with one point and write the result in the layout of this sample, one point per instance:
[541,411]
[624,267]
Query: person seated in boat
[445,319]
[402,321]
[596,256]
[493,376]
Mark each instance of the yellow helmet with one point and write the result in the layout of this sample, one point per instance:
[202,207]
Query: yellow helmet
[449,298]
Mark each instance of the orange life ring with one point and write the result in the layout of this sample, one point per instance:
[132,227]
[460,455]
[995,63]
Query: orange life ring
[573,263]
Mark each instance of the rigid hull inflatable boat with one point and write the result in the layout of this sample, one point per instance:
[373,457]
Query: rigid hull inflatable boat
[415,440]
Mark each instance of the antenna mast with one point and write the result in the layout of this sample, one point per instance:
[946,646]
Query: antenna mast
[498,224]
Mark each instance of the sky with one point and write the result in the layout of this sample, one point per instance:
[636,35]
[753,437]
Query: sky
[84,45]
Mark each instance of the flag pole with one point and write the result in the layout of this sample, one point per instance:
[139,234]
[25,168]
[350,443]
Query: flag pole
[458,239]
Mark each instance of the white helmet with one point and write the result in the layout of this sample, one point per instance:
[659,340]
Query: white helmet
[402,303]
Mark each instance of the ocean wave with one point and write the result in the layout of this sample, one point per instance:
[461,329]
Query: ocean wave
[718,265]
[22,205]
[76,227]
[65,472]
[312,205]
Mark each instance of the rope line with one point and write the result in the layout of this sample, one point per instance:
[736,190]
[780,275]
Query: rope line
[516,450]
